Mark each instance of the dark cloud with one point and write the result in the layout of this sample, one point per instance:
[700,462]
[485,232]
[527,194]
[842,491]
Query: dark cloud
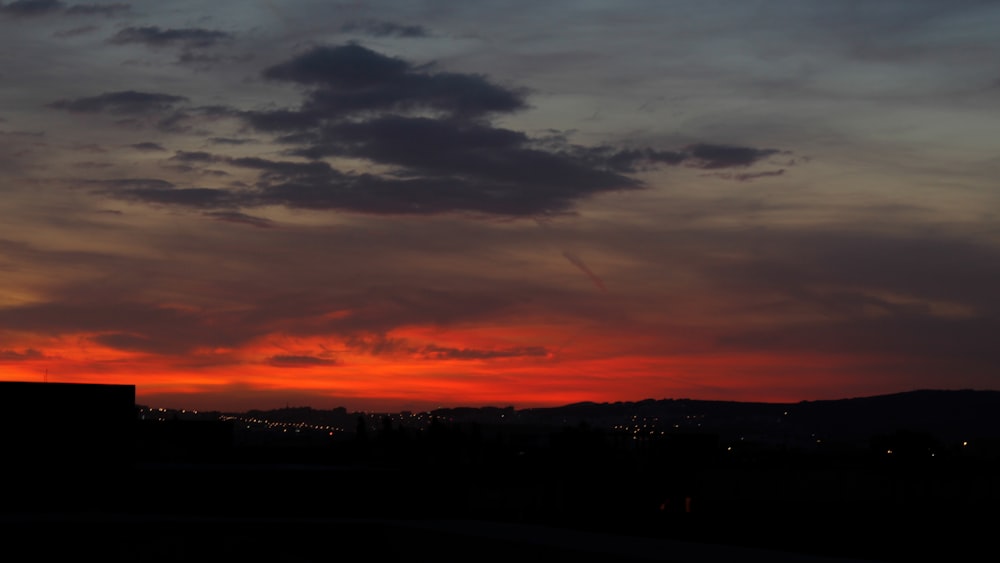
[417,142]
[193,156]
[127,102]
[384,29]
[749,176]
[90,148]
[351,78]
[92,164]
[129,342]
[98,9]
[376,344]
[446,165]
[705,156]
[440,353]
[291,361]
[726,156]
[368,193]
[130,184]
[270,169]
[150,190]
[277,169]
[148,147]
[15,356]
[230,141]
[186,120]
[346,66]
[431,130]
[241,218]
[75,31]
[275,121]
[157,37]
[29,8]
[491,161]
[623,160]
[202,198]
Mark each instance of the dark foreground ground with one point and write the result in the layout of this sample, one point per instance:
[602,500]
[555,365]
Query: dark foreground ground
[115,537]
[174,512]
[897,479]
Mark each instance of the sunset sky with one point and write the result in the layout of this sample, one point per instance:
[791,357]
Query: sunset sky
[412,204]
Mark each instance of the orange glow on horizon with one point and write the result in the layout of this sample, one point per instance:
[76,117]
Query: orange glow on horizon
[491,366]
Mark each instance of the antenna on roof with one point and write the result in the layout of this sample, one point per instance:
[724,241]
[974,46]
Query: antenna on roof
[46,375]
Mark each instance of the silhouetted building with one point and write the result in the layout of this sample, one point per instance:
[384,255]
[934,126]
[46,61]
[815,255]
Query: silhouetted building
[66,425]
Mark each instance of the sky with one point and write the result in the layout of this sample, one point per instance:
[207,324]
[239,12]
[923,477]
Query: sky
[405,205]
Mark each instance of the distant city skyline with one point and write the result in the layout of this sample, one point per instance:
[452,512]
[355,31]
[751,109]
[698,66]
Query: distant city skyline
[410,205]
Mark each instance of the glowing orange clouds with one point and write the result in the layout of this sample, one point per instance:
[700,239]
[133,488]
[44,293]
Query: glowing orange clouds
[424,367]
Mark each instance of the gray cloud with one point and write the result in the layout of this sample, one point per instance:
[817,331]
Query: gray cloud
[148,146]
[193,157]
[98,9]
[706,156]
[201,198]
[151,190]
[378,28]
[30,8]
[241,218]
[129,184]
[726,156]
[82,30]
[749,176]
[231,141]
[191,119]
[155,36]
[126,102]
[293,361]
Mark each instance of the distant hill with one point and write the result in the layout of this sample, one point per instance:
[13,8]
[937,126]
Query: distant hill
[946,416]
[924,421]
[953,415]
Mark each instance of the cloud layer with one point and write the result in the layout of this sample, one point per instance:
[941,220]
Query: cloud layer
[392,204]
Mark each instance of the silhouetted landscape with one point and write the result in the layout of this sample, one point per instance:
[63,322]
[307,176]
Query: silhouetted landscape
[888,478]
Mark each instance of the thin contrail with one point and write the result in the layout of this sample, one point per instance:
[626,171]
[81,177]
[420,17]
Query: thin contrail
[575,260]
